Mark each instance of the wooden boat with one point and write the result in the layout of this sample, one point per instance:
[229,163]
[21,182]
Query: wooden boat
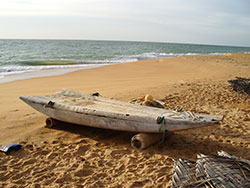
[96,111]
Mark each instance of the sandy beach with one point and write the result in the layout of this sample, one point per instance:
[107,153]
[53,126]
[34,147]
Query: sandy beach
[77,156]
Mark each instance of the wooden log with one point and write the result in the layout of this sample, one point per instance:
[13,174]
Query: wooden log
[50,122]
[144,140]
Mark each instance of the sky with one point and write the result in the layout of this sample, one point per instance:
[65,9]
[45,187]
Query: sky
[219,22]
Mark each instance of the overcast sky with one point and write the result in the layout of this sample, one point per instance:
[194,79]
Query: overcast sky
[223,22]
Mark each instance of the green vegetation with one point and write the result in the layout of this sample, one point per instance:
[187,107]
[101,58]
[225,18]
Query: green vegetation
[37,63]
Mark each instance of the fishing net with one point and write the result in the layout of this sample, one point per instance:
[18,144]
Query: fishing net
[222,171]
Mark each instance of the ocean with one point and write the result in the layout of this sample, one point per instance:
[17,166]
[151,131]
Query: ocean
[23,56]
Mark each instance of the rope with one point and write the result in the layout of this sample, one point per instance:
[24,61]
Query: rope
[68,95]
[161,120]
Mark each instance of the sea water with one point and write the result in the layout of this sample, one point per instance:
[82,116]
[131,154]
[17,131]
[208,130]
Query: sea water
[18,57]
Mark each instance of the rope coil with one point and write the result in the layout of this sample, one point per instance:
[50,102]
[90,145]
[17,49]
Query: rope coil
[161,120]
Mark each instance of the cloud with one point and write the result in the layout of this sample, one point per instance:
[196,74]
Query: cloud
[199,21]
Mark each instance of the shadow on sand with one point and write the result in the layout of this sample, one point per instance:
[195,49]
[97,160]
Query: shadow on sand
[177,145]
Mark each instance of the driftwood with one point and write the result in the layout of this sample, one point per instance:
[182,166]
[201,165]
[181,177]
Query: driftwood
[144,140]
[241,85]
[225,170]
[50,122]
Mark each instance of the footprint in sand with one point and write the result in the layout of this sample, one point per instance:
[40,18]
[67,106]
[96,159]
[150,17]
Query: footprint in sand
[83,172]
[29,162]
[81,150]
[16,110]
[53,155]
[54,142]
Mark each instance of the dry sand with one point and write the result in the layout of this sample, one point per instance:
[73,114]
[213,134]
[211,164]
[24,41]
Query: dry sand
[78,156]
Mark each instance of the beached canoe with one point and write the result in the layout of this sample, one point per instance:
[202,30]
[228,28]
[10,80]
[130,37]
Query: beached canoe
[96,111]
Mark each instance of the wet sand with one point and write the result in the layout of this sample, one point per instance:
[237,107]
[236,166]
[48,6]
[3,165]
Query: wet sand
[78,156]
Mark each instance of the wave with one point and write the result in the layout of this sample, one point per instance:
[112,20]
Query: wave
[48,62]
[153,55]
[19,69]
[29,66]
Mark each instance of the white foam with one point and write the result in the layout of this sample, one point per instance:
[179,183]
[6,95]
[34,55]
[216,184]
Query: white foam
[42,72]
[16,72]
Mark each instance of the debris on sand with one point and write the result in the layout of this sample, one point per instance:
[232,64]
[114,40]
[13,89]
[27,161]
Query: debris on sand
[241,85]
[224,170]
[148,100]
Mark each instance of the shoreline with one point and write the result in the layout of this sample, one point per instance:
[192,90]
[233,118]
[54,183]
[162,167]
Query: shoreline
[75,155]
[44,73]
[54,71]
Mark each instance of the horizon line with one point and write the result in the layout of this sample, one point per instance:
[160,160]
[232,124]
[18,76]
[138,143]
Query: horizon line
[116,40]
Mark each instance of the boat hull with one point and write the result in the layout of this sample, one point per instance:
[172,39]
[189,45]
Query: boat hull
[94,111]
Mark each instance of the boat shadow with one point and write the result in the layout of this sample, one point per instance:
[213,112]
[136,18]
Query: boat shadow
[97,134]
[184,144]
